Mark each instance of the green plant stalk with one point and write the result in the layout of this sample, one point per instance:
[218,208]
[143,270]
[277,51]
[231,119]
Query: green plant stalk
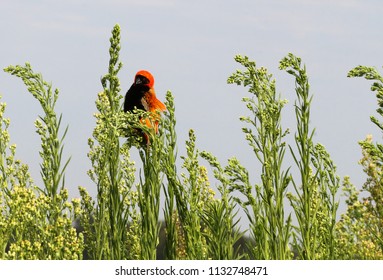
[48,127]
[191,196]
[149,187]
[177,196]
[328,184]
[303,206]
[111,85]
[220,216]
[268,224]
[188,206]
[315,200]
[149,198]
[373,157]
[170,170]
[111,214]
[5,182]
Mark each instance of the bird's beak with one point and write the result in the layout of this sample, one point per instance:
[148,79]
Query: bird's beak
[138,81]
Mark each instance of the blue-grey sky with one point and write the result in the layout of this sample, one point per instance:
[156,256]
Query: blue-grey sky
[189,47]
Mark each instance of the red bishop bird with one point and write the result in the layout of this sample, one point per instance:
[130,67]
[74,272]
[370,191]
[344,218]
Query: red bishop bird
[141,95]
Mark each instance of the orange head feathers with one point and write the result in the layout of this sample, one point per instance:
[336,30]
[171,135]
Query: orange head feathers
[145,74]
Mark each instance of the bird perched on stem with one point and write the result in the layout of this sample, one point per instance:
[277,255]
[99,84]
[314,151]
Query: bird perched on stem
[141,95]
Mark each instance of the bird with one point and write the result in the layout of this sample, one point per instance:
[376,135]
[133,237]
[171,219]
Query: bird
[141,95]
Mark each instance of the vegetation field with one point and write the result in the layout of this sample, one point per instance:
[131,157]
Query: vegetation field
[122,221]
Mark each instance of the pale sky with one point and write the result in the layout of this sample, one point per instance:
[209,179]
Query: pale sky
[189,48]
